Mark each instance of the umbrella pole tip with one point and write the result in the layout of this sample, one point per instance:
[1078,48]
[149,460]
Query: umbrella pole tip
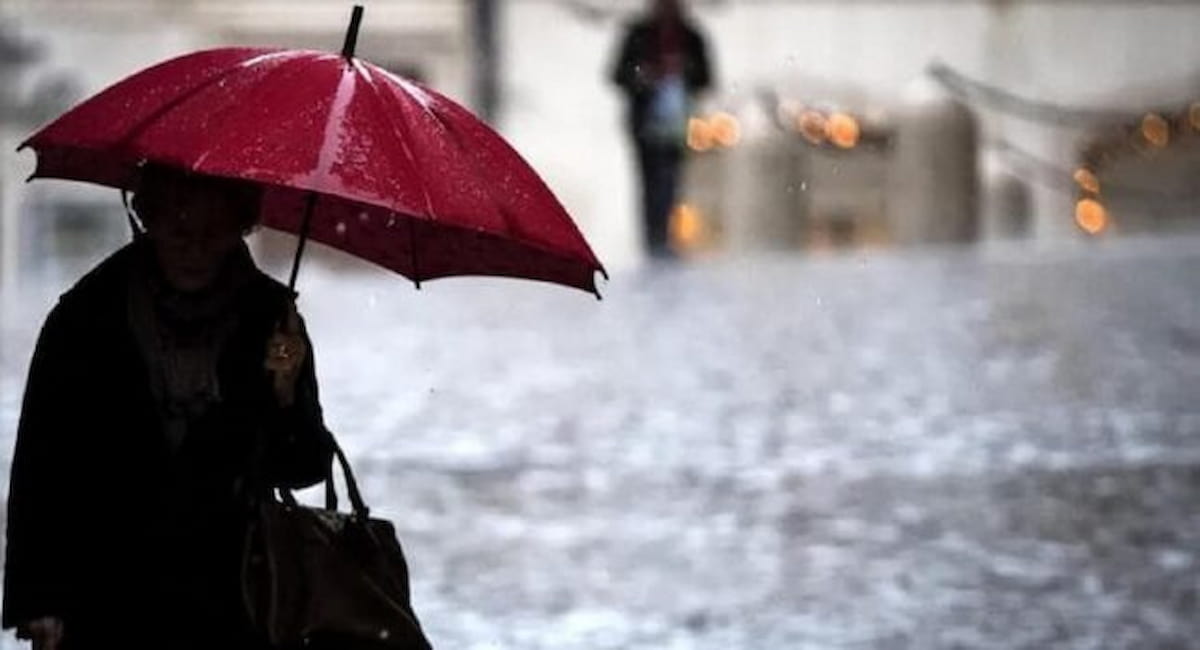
[351,41]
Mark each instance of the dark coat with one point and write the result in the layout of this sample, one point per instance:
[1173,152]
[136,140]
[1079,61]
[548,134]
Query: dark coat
[637,49]
[109,530]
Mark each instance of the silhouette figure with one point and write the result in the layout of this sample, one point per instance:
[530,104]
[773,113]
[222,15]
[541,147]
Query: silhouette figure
[661,65]
[164,383]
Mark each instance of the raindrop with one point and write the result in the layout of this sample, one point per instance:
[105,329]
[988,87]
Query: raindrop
[364,217]
[804,186]
[341,228]
[391,221]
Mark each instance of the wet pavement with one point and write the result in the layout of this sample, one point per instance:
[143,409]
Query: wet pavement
[989,448]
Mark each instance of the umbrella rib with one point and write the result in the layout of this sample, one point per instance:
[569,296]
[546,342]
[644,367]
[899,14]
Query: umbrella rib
[513,232]
[508,222]
[146,122]
[408,155]
[412,163]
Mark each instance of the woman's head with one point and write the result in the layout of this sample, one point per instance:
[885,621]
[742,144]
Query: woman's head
[667,9]
[194,222]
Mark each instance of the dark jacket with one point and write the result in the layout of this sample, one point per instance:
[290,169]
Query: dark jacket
[637,49]
[106,527]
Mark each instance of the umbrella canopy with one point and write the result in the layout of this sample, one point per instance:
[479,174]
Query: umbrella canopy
[388,169]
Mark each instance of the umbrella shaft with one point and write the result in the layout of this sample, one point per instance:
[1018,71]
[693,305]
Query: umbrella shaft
[304,224]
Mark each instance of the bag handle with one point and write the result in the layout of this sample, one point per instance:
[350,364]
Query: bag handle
[358,506]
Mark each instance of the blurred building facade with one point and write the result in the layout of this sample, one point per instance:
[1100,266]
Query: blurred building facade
[881,123]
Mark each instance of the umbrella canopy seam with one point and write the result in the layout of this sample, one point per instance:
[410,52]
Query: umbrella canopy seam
[364,72]
[511,229]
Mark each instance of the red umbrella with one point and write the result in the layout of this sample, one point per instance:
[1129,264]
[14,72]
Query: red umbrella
[348,153]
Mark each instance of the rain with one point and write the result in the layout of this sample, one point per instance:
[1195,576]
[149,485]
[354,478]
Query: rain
[916,367]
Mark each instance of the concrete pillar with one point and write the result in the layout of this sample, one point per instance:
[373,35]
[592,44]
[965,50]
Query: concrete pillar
[1007,207]
[485,16]
[933,178]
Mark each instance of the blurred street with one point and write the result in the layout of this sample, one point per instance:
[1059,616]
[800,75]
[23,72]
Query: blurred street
[991,447]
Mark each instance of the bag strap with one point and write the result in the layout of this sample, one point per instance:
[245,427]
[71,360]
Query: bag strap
[358,506]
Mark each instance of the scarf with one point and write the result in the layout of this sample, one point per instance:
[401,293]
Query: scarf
[181,336]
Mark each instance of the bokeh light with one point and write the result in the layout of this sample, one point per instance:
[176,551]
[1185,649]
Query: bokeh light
[1087,180]
[842,130]
[1155,130]
[1091,216]
[811,125]
[725,129]
[699,134]
[688,229]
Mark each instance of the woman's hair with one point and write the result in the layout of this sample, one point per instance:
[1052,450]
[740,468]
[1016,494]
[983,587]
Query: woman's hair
[156,182]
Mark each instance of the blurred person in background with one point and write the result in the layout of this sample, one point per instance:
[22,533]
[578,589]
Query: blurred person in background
[662,64]
[166,380]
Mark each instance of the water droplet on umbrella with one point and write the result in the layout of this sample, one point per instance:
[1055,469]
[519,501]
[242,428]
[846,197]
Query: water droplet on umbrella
[391,221]
[364,217]
[341,228]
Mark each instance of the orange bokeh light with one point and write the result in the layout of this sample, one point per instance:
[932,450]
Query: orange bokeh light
[811,125]
[1087,180]
[1155,130]
[842,130]
[725,129]
[699,134]
[687,227]
[1091,216]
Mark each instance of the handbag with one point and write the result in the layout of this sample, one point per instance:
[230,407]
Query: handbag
[315,577]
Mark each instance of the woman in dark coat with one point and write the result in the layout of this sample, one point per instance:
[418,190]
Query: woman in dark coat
[152,384]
